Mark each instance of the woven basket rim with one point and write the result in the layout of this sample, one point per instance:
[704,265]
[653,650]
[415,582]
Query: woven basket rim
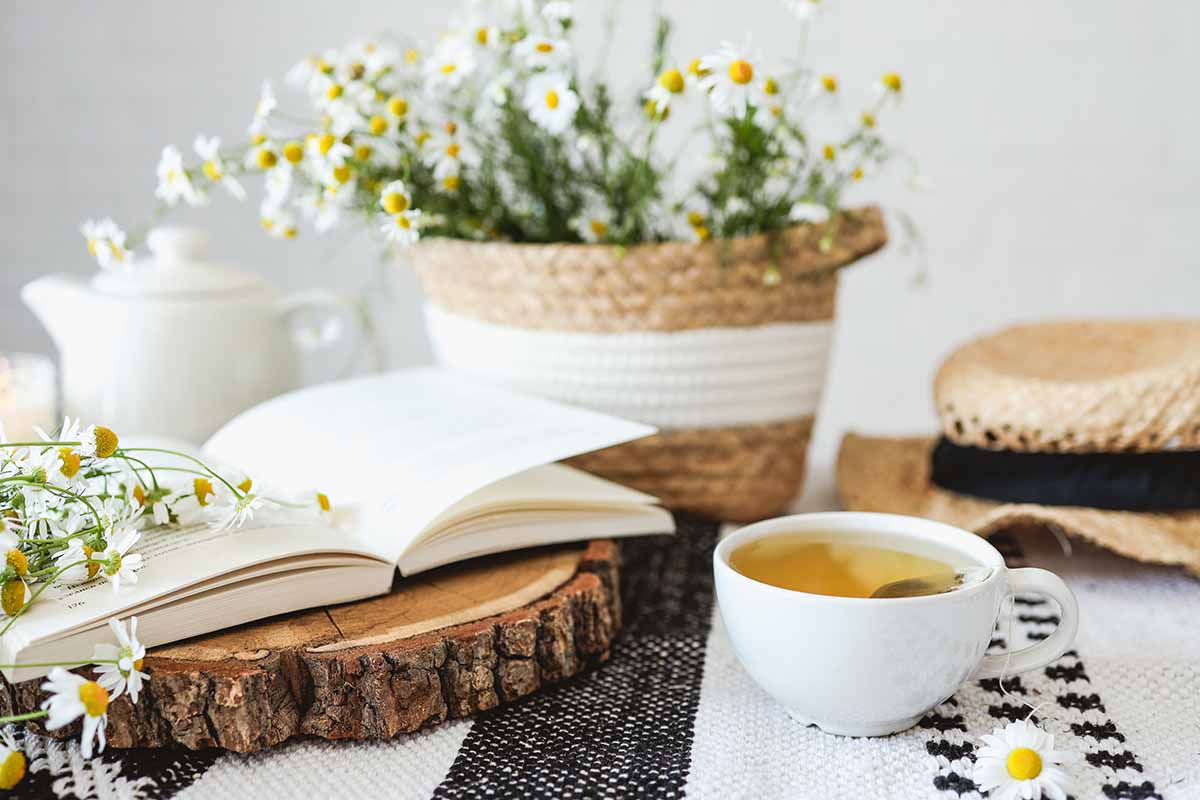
[627,251]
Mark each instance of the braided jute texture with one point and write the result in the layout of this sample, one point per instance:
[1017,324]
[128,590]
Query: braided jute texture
[1076,387]
[892,475]
[668,286]
[738,474]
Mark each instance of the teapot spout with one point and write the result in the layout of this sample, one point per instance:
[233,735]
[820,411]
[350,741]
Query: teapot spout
[59,302]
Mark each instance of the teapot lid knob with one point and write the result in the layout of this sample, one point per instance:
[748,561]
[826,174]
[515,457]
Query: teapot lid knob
[175,244]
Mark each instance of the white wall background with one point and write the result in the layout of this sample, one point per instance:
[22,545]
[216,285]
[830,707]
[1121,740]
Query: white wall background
[1060,138]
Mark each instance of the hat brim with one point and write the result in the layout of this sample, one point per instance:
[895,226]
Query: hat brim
[892,475]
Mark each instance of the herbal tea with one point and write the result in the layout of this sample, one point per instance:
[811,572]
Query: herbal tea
[820,566]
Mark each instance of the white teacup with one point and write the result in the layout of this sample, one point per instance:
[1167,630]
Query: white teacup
[871,667]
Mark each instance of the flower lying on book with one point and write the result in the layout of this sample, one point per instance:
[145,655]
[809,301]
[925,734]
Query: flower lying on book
[72,510]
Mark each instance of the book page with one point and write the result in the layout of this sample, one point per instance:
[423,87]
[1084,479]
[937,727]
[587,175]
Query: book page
[177,558]
[405,446]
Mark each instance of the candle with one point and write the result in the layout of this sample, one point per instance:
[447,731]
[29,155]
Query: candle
[28,395]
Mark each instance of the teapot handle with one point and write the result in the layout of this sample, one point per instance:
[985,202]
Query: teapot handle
[317,319]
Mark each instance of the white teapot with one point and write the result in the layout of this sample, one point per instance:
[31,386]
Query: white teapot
[177,345]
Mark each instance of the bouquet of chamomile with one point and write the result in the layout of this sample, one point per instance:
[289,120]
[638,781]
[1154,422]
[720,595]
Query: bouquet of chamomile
[73,505]
[495,132]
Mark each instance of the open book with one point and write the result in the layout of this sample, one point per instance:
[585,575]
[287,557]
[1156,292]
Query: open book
[423,467]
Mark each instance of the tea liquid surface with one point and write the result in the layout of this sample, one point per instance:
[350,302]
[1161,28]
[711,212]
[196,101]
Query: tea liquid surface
[824,565]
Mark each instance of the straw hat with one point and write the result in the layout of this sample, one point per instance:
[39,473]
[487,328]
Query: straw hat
[1074,394]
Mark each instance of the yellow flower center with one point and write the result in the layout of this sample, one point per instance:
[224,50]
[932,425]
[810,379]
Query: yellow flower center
[378,125]
[829,83]
[695,218]
[397,106]
[740,71]
[402,221]
[12,597]
[1024,764]
[830,152]
[421,138]
[137,665]
[258,138]
[450,182]
[323,501]
[289,233]
[18,561]
[91,245]
[411,56]
[694,68]
[857,174]
[246,485]
[139,494]
[868,119]
[544,47]
[651,109]
[70,462]
[293,151]
[106,442]
[448,68]
[117,252]
[481,35]
[776,110]
[324,66]
[452,150]
[702,233]
[12,769]
[357,70]
[672,81]
[212,171]
[204,489]
[551,99]
[265,158]
[341,174]
[395,203]
[324,143]
[599,227]
[363,152]
[770,86]
[92,566]
[451,127]
[334,91]
[892,81]
[94,698]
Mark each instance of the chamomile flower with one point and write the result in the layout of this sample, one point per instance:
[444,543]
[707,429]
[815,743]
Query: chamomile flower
[395,198]
[593,224]
[105,242]
[214,166]
[230,511]
[173,180]
[804,10]
[451,62]
[71,697]
[277,220]
[550,102]
[323,207]
[814,213]
[669,85]
[14,596]
[449,152]
[730,80]
[73,558]
[404,228]
[1019,761]
[262,110]
[889,86]
[263,156]
[117,563]
[542,52]
[12,761]
[328,150]
[98,441]
[122,665]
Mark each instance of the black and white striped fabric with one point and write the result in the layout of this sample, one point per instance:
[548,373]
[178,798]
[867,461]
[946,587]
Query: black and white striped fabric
[673,714]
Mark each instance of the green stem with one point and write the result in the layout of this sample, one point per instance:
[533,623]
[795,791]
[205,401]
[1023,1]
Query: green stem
[193,459]
[24,717]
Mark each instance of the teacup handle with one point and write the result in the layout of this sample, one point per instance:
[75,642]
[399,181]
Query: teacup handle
[1029,580]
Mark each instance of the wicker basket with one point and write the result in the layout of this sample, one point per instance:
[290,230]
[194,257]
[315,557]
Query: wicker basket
[684,336]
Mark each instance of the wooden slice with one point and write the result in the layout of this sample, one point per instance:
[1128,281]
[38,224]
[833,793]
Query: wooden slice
[443,644]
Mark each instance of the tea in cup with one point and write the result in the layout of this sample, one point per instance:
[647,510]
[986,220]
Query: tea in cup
[795,597]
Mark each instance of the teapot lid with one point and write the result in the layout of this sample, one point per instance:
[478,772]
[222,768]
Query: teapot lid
[179,266]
